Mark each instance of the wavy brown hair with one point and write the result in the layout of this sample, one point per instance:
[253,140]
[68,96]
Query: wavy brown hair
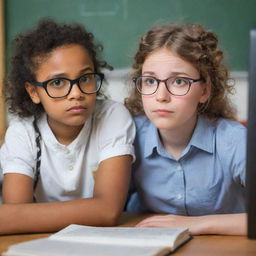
[200,48]
[33,47]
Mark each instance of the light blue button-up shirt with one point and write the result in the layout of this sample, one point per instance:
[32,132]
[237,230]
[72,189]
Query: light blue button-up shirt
[208,178]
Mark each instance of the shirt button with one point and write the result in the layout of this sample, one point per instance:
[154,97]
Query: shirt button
[179,168]
[67,152]
[179,196]
[71,167]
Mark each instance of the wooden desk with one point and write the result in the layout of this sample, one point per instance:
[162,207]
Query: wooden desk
[198,246]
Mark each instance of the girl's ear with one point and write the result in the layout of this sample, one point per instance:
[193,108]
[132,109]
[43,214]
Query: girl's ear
[31,90]
[206,92]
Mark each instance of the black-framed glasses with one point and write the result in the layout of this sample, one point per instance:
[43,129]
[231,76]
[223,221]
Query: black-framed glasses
[176,85]
[89,83]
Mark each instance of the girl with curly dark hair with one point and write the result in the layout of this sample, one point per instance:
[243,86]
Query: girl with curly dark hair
[70,150]
[190,154]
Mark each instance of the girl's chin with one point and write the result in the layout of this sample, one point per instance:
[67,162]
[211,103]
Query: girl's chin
[164,125]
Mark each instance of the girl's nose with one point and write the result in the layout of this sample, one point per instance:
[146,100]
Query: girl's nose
[75,92]
[162,94]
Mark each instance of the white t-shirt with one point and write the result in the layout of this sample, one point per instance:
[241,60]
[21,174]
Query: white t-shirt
[66,172]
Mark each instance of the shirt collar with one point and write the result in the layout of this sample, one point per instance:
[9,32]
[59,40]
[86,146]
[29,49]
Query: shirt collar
[203,135]
[152,141]
[50,139]
[202,138]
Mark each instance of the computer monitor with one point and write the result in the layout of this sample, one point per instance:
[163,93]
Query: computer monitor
[251,141]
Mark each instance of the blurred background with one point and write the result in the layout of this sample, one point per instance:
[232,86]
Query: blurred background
[118,25]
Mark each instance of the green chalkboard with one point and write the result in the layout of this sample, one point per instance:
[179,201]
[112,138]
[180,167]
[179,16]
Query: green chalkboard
[118,24]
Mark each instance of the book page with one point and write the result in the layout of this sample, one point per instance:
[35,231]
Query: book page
[108,241]
[50,247]
[163,237]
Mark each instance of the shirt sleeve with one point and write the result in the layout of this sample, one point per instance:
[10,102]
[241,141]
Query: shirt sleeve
[239,156]
[232,142]
[115,131]
[18,153]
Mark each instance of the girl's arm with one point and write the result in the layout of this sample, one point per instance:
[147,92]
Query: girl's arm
[17,188]
[19,214]
[221,224]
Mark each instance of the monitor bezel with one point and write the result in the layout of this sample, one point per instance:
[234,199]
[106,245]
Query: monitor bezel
[251,142]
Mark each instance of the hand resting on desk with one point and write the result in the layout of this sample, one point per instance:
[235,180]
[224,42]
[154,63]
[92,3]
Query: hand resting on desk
[199,225]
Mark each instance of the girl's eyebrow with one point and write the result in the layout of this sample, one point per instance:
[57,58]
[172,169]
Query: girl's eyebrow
[64,75]
[151,73]
[87,69]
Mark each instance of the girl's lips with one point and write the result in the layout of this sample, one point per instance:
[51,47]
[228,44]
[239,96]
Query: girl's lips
[163,111]
[77,109]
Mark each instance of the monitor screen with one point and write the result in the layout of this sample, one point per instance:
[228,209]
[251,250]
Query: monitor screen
[251,141]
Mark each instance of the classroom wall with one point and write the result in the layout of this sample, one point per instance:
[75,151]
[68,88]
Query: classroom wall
[118,24]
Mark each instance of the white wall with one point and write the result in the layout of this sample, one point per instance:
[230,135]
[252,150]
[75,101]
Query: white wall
[117,89]
[240,98]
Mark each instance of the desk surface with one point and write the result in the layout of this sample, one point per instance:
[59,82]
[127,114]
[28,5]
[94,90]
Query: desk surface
[198,245]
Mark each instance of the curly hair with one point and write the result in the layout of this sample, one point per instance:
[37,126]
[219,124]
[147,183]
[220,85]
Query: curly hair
[197,46]
[35,45]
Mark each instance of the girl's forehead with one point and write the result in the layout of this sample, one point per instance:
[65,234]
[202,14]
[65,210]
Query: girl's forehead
[68,59]
[163,58]
[60,51]
[163,55]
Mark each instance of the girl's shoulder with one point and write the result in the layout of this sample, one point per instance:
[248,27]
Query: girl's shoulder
[222,126]
[20,125]
[142,123]
[107,108]
[110,116]
[112,129]
[230,132]
[230,128]
[19,137]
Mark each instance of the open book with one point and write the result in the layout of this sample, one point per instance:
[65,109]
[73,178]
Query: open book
[78,240]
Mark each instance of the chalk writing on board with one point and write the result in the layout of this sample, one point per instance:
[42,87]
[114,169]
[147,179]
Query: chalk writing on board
[92,8]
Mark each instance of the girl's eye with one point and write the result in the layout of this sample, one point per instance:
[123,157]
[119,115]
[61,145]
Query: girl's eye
[57,83]
[85,79]
[180,81]
[150,81]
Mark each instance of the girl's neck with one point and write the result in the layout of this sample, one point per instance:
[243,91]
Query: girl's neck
[175,141]
[65,134]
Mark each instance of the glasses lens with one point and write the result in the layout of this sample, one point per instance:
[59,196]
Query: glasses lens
[178,85]
[90,83]
[146,85]
[58,87]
